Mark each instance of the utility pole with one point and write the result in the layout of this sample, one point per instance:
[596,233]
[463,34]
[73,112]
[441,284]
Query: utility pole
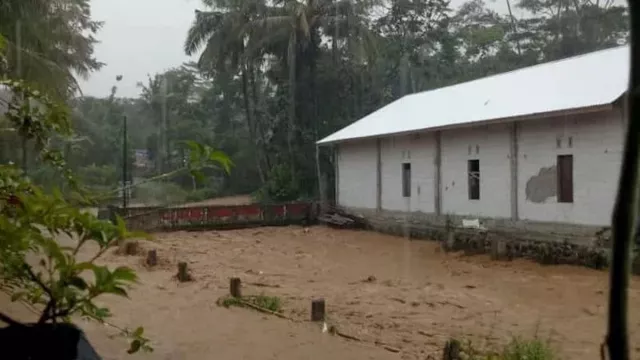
[164,138]
[124,164]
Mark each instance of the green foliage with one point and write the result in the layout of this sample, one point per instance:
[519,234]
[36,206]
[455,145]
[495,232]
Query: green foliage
[40,238]
[46,59]
[266,88]
[280,186]
[201,194]
[516,349]
[159,193]
[203,157]
[271,303]
[37,118]
[41,235]
[534,349]
[104,176]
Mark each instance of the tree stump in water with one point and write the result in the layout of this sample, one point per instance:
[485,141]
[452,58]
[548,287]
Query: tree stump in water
[317,310]
[183,272]
[128,247]
[152,258]
[235,287]
[451,350]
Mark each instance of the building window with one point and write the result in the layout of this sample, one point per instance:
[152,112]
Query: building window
[406,180]
[565,178]
[473,169]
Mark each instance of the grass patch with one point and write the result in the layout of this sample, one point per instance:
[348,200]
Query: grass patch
[271,303]
[534,349]
[517,349]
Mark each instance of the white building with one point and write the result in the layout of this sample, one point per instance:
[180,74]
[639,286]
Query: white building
[539,144]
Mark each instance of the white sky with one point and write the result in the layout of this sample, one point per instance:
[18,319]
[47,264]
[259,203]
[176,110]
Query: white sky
[141,37]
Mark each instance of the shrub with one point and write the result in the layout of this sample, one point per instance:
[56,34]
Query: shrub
[534,349]
[280,186]
[201,194]
[271,303]
[517,349]
[159,193]
[105,176]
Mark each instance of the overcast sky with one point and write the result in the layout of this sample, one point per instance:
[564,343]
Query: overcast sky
[141,37]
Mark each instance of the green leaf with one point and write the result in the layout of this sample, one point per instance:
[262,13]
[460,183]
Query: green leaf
[102,275]
[84,266]
[121,225]
[102,313]
[198,175]
[116,290]
[134,347]
[124,273]
[78,282]
[138,332]
[222,159]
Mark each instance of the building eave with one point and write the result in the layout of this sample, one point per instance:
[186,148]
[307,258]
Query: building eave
[550,114]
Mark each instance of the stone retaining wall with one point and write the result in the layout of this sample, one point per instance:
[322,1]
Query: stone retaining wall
[503,239]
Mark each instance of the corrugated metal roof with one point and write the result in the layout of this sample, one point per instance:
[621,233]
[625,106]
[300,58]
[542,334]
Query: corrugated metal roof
[597,78]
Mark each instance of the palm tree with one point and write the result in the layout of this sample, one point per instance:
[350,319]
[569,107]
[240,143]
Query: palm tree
[49,42]
[222,35]
[298,26]
[154,95]
[241,31]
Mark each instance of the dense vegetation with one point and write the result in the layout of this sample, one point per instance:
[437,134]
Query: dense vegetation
[273,77]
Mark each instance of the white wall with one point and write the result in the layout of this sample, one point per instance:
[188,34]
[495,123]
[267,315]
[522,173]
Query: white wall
[419,151]
[491,145]
[596,146]
[357,166]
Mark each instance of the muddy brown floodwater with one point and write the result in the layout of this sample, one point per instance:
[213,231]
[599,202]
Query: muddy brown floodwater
[384,289]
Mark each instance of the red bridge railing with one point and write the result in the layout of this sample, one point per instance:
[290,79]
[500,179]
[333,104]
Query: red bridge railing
[218,216]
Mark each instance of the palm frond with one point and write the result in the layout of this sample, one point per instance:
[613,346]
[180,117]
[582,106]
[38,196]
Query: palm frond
[261,41]
[204,25]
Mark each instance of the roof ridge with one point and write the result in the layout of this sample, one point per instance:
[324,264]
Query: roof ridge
[553,62]
[585,80]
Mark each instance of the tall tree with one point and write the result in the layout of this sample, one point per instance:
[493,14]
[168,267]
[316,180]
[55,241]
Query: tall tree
[222,34]
[49,42]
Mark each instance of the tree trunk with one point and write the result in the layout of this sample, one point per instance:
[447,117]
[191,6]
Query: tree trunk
[292,103]
[264,155]
[25,154]
[162,130]
[316,133]
[250,120]
[513,25]
[334,41]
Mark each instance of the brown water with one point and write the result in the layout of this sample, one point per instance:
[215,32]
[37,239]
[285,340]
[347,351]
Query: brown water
[417,298]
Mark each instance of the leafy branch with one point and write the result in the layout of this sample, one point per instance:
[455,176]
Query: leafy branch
[33,222]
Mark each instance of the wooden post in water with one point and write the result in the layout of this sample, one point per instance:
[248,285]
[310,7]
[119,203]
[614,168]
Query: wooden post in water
[451,350]
[317,310]
[183,272]
[152,258]
[235,287]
